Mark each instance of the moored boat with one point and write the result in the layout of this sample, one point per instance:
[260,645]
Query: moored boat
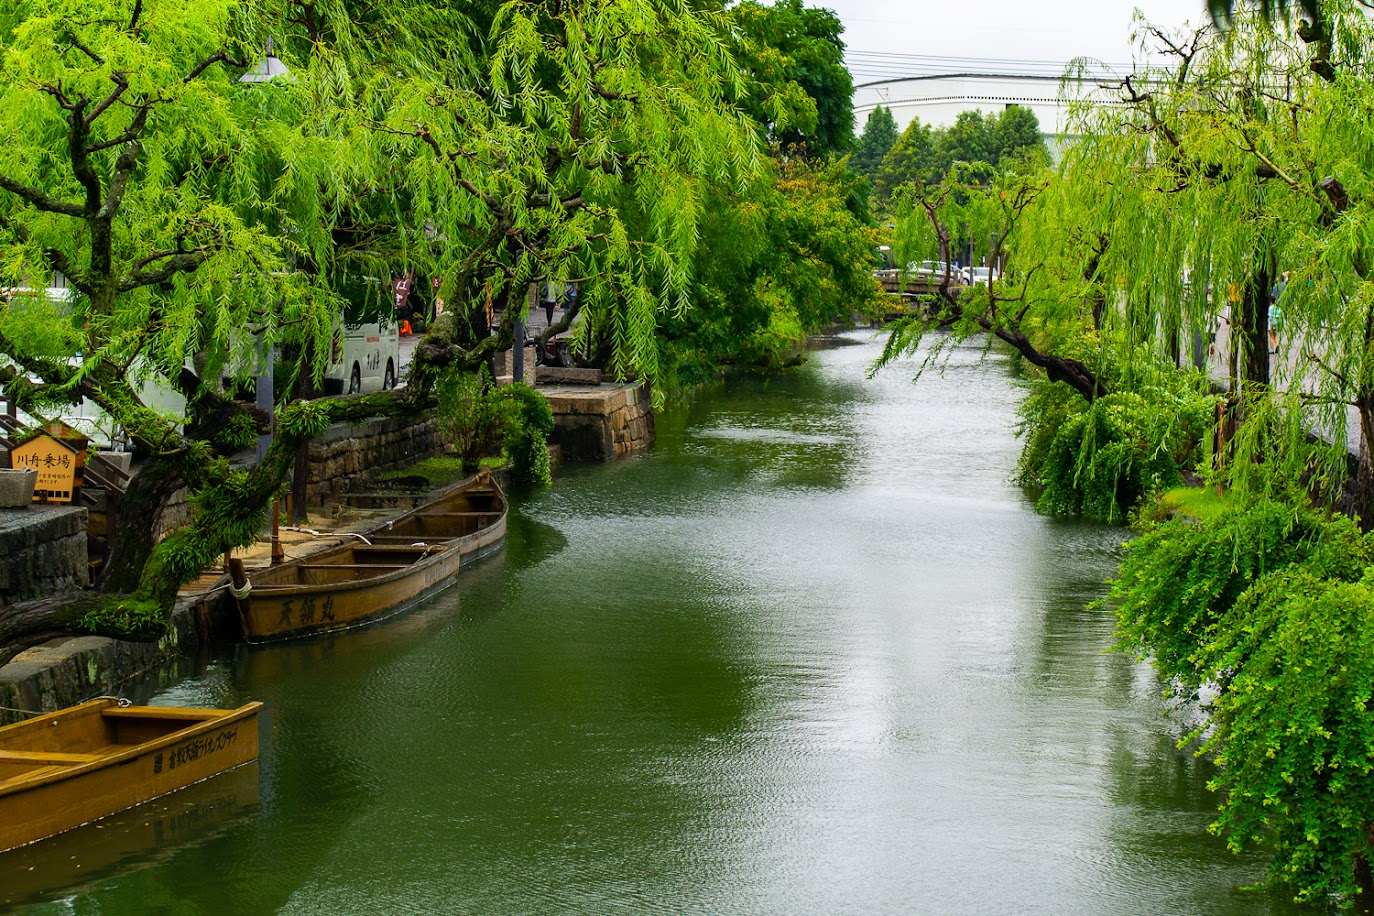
[404,561]
[470,518]
[67,768]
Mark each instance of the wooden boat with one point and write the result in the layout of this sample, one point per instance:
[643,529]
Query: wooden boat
[64,769]
[470,518]
[408,559]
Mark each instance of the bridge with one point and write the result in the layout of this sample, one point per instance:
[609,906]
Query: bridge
[915,285]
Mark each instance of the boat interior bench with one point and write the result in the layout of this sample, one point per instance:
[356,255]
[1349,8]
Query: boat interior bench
[85,735]
[46,757]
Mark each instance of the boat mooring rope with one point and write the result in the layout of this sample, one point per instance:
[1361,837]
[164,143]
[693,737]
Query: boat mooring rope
[121,701]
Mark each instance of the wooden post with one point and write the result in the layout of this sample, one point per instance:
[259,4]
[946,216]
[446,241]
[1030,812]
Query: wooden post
[277,553]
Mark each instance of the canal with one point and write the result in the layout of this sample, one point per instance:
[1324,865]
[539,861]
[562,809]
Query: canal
[814,655]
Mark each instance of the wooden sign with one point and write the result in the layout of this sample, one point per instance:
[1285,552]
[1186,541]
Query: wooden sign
[58,463]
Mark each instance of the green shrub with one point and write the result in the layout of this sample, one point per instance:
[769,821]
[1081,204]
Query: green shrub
[1179,580]
[1102,459]
[484,420]
[1273,608]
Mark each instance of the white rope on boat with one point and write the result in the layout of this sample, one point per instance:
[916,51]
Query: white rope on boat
[241,593]
[310,531]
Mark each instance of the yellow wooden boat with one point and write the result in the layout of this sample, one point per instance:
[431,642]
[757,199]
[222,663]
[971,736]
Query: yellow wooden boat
[470,518]
[405,561]
[66,768]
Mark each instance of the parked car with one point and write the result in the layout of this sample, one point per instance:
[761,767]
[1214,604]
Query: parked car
[979,276]
[932,269]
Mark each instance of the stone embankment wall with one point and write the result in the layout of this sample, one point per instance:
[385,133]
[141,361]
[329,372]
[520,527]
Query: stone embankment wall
[353,454]
[602,422]
[42,552]
[69,670]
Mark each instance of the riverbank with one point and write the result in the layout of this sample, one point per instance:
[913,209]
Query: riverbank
[597,422]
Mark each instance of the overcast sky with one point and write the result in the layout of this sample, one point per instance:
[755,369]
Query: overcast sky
[894,38]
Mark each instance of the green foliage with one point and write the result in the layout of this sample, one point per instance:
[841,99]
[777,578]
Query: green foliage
[527,439]
[137,619]
[909,159]
[1294,727]
[1101,460]
[240,432]
[800,91]
[879,136]
[581,143]
[304,419]
[923,154]
[1202,503]
[1271,607]
[513,419]
[778,263]
[1178,581]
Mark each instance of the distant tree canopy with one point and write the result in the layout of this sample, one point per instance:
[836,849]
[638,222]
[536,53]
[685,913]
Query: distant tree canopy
[926,154]
[879,136]
[802,93]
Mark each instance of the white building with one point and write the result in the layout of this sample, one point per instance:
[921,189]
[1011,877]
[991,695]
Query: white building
[938,100]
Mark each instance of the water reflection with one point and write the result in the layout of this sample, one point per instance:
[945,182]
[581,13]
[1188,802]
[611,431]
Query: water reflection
[147,836]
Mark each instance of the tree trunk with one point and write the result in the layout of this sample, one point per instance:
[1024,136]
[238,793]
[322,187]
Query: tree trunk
[25,625]
[300,471]
[1363,498]
[1254,326]
[131,534]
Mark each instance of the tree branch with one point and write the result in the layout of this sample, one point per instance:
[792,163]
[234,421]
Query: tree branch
[40,200]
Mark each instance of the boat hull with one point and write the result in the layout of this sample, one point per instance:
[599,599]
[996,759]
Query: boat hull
[353,584]
[48,787]
[270,613]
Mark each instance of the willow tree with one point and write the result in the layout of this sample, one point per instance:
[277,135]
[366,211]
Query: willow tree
[1242,163]
[194,218]
[579,148]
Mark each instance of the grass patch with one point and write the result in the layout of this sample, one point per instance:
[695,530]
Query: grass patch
[438,471]
[1197,502]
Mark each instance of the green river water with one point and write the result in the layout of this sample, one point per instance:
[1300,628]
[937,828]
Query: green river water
[816,654]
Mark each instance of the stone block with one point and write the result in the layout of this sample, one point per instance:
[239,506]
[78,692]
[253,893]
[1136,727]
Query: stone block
[42,552]
[551,375]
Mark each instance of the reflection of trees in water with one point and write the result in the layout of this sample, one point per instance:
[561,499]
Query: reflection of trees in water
[787,432]
[1156,798]
[590,705]
[529,542]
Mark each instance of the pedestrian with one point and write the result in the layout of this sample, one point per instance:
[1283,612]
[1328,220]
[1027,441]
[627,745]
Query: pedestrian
[550,300]
[1276,313]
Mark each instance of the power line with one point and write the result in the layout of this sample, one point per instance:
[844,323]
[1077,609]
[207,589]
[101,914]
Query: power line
[896,65]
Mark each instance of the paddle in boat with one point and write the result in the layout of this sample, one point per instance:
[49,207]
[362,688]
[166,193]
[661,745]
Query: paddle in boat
[66,768]
[402,562]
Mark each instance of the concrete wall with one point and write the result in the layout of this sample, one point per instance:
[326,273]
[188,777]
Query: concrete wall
[355,453]
[602,422]
[42,552]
